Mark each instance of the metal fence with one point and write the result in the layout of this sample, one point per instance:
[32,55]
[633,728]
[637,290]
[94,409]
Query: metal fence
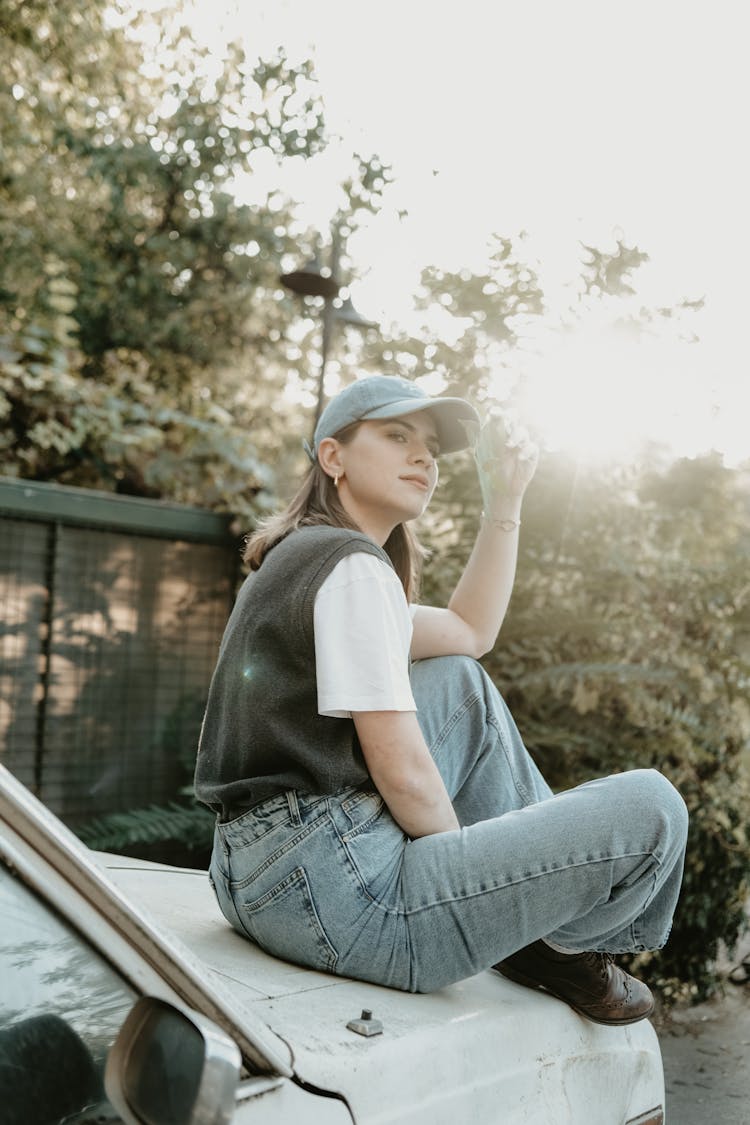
[111,612]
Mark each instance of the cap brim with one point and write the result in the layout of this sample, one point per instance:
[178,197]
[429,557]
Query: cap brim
[447,412]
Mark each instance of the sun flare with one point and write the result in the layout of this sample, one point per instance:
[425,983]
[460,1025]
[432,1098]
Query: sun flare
[604,392]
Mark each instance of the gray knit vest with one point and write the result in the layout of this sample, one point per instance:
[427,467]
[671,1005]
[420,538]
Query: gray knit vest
[262,733]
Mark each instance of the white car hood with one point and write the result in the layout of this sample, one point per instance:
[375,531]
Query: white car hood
[471,1044]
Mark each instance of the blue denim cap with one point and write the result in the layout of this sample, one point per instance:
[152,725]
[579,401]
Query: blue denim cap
[390,396]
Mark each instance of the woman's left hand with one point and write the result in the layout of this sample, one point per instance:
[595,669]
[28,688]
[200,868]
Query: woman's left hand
[506,460]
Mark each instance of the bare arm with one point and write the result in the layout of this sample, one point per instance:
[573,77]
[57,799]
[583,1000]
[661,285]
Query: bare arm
[404,772]
[470,623]
[477,607]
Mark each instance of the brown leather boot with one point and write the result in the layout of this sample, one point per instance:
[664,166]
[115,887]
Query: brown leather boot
[590,983]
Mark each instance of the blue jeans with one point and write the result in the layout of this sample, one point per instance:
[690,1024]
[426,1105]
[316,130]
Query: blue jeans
[333,882]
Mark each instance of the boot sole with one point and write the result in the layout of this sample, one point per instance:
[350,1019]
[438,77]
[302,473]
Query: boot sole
[529,982]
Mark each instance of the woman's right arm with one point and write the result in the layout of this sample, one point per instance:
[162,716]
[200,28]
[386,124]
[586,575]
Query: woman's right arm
[404,772]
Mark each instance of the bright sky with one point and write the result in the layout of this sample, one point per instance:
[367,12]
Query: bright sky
[571,120]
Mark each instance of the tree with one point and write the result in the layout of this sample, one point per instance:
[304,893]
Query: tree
[145,336]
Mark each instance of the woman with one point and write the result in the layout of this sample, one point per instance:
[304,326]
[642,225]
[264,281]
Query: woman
[384,821]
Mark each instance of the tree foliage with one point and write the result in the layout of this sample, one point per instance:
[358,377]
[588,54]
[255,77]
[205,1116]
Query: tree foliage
[472,323]
[145,336]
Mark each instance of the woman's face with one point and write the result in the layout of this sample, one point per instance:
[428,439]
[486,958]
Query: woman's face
[389,471]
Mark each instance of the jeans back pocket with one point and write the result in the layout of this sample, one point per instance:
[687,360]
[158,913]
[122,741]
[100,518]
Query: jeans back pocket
[285,922]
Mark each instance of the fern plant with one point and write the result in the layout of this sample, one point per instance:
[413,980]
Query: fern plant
[188,824]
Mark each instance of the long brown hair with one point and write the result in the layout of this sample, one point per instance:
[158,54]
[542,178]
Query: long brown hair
[317,503]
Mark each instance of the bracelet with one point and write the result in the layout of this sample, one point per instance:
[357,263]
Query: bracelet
[504,525]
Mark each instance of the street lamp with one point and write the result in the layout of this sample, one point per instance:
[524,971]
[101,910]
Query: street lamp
[315,280]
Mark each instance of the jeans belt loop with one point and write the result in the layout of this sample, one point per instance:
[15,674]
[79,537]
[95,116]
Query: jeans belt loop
[291,796]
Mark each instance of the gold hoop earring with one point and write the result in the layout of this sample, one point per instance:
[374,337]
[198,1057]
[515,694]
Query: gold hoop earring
[336,481]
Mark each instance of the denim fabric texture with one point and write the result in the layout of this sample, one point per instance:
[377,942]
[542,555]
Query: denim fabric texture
[332,882]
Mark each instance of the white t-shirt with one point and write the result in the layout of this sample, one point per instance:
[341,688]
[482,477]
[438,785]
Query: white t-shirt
[363,631]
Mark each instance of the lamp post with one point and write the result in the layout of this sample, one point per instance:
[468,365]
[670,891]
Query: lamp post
[314,280]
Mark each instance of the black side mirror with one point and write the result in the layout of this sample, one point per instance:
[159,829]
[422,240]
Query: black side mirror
[172,1066]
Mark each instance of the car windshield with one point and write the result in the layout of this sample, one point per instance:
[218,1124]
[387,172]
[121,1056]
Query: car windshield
[61,1006]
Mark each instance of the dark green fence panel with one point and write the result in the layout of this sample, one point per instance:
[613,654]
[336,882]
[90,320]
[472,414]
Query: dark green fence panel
[111,612]
[24,559]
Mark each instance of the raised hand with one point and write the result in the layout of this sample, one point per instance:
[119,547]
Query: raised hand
[506,460]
